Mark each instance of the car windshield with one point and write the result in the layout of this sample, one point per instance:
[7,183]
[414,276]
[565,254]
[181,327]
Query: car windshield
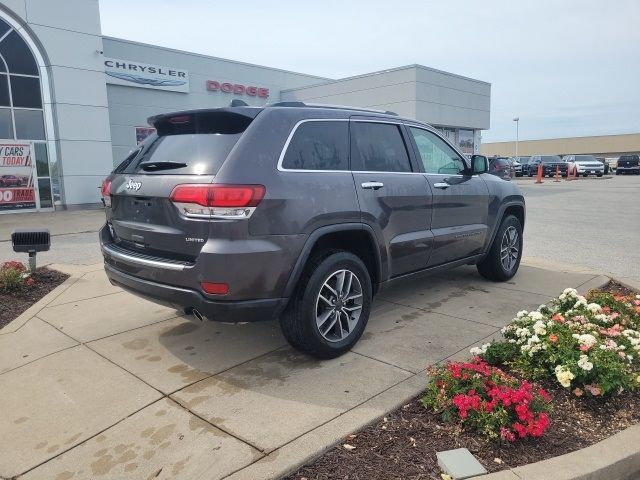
[585,158]
[550,158]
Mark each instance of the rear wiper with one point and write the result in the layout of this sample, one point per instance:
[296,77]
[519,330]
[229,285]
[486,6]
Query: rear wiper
[153,166]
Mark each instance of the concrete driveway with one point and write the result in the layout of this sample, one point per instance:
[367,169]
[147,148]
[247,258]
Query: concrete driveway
[97,383]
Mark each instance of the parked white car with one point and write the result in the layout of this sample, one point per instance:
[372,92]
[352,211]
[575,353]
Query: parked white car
[587,165]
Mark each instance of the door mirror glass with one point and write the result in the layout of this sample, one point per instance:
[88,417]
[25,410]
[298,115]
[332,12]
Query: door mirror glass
[479,164]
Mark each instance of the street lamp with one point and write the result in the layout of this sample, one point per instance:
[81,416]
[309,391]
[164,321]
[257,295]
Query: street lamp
[517,120]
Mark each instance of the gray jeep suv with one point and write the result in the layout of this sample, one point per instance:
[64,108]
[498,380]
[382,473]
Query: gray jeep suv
[300,213]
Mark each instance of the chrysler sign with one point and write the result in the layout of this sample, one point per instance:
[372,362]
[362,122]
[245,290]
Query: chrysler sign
[144,75]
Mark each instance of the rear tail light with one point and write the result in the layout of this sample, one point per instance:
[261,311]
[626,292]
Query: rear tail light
[217,201]
[105,191]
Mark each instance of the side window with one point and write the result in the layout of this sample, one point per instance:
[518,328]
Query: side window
[378,147]
[319,145]
[436,155]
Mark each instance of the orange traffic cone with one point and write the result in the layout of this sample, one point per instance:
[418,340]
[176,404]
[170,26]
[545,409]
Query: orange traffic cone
[557,175]
[539,174]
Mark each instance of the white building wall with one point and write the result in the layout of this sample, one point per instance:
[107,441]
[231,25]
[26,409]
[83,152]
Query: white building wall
[69,36]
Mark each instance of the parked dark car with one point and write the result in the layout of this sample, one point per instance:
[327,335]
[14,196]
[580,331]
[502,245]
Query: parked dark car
[550,164]
[518,164]
[501,167]
[300,213]
[628,164]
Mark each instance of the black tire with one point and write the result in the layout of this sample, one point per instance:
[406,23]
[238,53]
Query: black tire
[491,266]
[599,174]
[298,321]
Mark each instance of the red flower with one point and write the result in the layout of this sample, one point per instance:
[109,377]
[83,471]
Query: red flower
[507,434]
[553,338]
[29,282]
[543,393]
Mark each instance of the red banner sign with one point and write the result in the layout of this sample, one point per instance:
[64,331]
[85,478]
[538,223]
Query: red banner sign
[17,190]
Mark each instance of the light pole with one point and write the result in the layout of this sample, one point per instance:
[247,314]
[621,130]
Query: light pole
[517,120]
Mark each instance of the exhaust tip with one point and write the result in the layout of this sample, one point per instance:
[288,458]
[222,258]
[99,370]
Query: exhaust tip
[198,315]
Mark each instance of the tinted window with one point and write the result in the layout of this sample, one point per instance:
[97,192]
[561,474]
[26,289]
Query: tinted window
[17,55]
[201,154]
[29,124]
[25,92]
[378,147]
[551,159]
[4,28]
[4,91]
[42,159]
[319,146]
[6,125]
[436,155]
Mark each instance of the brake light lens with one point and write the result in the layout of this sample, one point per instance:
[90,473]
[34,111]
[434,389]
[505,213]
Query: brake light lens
[217,201]
[105,191]
[215,288]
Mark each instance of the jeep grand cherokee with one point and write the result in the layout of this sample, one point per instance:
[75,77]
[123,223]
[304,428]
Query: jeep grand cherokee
[300,213]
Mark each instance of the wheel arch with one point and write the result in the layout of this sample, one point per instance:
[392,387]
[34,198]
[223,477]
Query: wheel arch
[356,238]
[515,208]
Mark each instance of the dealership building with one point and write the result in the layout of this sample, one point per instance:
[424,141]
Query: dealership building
[73,103]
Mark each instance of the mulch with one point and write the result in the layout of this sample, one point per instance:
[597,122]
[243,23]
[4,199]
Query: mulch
[404,444]
[15,302]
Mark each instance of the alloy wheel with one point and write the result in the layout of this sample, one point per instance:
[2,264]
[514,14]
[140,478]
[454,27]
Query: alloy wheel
[339,305]
[509,248]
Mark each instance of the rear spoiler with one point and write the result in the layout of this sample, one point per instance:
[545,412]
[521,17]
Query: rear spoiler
[214,120]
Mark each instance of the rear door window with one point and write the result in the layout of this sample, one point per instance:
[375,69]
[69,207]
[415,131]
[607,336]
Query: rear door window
[378,147]
[318,145]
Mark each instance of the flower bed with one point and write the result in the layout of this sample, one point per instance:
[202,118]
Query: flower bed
[19,288]
[590,344]
[488,400]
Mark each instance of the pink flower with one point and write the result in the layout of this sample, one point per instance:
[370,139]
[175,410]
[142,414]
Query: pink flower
[585,348]
[593,389]
[506,434]
[577,392]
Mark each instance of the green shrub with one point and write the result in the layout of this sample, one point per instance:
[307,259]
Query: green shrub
[13,276]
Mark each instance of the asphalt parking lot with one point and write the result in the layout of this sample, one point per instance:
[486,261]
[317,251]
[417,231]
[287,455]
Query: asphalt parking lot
[589,223]
[593,223]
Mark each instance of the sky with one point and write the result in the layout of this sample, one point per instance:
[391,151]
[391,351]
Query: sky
[565,68]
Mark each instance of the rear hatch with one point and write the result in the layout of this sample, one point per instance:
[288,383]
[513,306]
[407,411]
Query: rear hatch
[628,161]
[188,148]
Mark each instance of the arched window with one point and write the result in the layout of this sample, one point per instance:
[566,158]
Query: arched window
[21,121]
[21,115]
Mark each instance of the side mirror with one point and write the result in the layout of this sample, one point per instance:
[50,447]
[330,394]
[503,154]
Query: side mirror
[479,164]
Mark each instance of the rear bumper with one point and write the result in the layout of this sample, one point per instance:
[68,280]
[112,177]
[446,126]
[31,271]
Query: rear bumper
[183,298]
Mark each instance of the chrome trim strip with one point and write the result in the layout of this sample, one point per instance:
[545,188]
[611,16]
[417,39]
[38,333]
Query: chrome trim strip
[140,261]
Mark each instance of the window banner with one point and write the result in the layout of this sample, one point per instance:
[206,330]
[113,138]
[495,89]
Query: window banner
[17,184]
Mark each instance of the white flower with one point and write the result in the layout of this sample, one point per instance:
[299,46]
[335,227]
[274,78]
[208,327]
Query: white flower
[594,307]
[533,339]
[585,339]
[536,316]
[564,375]
[539,328]
[584,363]
[581,302]
[570,292]
[522,313]
[480,350]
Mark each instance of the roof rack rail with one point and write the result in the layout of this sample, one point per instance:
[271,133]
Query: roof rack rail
[337,107]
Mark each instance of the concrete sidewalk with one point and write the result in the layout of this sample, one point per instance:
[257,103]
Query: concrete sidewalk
[97,383]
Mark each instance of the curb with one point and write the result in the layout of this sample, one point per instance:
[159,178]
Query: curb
[75,273]
[614,458]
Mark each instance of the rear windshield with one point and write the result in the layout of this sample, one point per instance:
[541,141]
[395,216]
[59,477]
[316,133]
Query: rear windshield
[191,144]
[550,158]
[629,158]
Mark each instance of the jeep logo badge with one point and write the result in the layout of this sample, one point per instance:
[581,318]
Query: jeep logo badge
[131,185]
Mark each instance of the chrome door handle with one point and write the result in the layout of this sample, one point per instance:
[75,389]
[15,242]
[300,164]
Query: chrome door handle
[372,185]
[442,185]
